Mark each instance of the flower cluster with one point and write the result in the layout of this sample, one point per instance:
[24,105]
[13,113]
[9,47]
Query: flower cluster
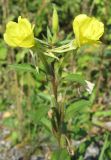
[87,30]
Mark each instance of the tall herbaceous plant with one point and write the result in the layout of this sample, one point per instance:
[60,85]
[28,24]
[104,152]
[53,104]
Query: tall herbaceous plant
[52,52]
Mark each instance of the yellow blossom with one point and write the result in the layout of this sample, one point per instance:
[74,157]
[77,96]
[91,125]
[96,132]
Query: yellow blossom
[19,34]
[87,30]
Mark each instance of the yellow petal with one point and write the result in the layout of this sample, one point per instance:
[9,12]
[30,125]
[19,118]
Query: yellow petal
[77,23]
[12,28]
[19,34]
[28,42]
[94,30]
[9,40]
[24,26]
[87,29]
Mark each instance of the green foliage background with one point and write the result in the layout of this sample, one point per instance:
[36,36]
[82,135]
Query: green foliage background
[91,123]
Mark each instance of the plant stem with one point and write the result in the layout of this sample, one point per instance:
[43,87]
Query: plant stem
[19,107]
[57,118]
[17,96]
[103,148]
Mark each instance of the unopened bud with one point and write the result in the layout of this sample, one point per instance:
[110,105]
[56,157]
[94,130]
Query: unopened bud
[55,21]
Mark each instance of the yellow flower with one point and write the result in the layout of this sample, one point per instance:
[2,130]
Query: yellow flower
[19,34]
[87,30]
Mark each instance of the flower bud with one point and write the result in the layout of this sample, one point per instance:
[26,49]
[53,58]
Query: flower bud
[55,21]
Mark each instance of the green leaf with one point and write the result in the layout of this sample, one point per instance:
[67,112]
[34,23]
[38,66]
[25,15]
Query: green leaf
[51,55]
[23,67]
[75,78]
[47,124]
[20,55]
[49,35]
[45,96]
[77,107]
[61,154]
[103,113]
[36,116]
